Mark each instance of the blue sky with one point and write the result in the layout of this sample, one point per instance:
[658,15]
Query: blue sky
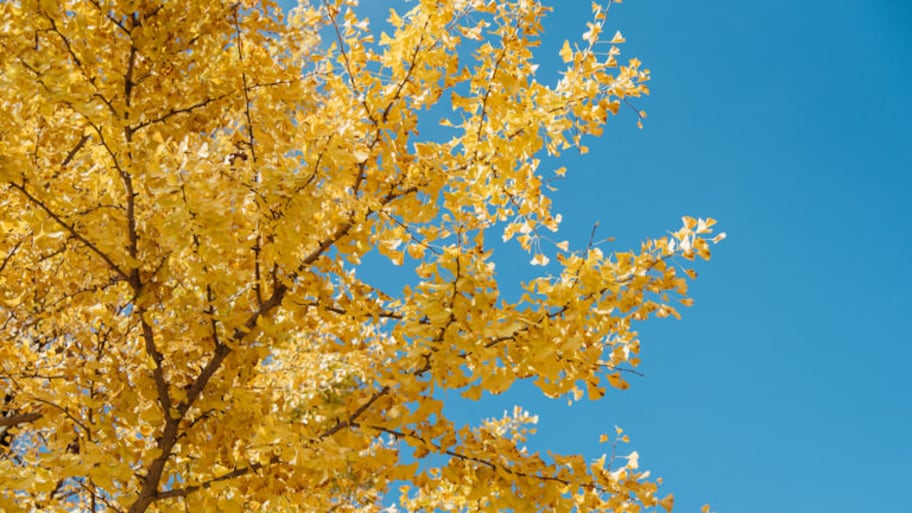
[786,387]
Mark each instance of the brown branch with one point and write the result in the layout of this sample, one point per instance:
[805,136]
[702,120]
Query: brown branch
[351,421]
[487,95]
[56,217]
[482,461]
[134,279]
[109,16]
[9,255]
[36,375]
[75,150]
[153,476]
[68,415]
[187,490]
[341,311]
[275,83]
[131,62]
[107,102]
[54,253]
[316,168]
[93,493]
[96,207]
[257,278]
[174,112]
[413,63]
[38,74]
[158,373]
[92,289]
[19,418]
[240,50]
[347,62]
[69,48]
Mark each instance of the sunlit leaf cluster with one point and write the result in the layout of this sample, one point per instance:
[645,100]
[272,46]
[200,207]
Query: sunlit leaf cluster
[187,191]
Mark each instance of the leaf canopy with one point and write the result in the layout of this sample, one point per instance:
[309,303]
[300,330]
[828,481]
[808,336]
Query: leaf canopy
[188,190]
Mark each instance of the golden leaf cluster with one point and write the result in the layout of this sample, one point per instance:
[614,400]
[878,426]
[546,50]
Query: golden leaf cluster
[187,191]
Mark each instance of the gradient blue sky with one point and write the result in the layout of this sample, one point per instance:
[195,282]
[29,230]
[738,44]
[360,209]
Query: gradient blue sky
[786,387]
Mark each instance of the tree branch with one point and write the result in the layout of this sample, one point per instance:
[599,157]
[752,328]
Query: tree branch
[357,413]
[481,461]
[20,418]
[174,112]
[187,490]
[72,153]
[240,51]
[68,415]
[10,255]
[56,217]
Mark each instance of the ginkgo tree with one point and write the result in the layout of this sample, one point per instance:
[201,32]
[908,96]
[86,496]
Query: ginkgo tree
[187,190]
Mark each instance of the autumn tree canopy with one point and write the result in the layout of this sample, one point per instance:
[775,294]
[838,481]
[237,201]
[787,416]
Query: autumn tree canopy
[188,189]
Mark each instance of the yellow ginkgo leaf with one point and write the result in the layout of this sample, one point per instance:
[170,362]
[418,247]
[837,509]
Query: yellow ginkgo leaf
[615,380]
[667,503]
[566,53]
[539,259]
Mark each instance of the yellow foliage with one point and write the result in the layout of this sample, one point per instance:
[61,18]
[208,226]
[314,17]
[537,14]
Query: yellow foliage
[188,189]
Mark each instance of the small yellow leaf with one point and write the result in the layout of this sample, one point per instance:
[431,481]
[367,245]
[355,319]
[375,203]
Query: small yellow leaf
[617,381]
[667,503]
[232,506]
[603,438]
[618,38]
[472,393]
[566,53]
[394,19]
[415,251]
[405,471]
[540,260]
[633,460]
[595,392]
[577,393]
[360,156]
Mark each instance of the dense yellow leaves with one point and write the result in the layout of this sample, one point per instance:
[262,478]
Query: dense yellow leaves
[188,191]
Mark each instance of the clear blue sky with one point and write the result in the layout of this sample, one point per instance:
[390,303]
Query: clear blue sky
[786,387]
